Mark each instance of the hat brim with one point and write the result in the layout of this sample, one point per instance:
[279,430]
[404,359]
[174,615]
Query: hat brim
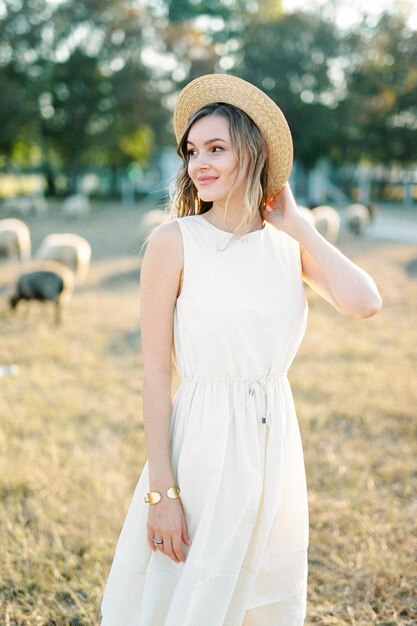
[254,102]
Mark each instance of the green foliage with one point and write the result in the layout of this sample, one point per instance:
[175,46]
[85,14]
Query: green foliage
[381,103]
[25,153]
[80,82]
[291,59]
[91,87]
[138,145]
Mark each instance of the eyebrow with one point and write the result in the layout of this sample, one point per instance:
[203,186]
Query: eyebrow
[209,141]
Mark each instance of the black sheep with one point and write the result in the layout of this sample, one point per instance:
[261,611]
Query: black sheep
[52,283]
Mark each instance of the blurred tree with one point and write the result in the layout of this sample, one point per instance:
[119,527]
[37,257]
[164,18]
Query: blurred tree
[74,82]
[21,48]
[379,112]
[95,82]
[293,58]
[99,90]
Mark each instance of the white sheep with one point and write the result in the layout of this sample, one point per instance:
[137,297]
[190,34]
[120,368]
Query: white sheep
[358,217]
[22,205]
[14,239]
[25,205]
[51,282]
[77,205]
[68,248]
[327,222]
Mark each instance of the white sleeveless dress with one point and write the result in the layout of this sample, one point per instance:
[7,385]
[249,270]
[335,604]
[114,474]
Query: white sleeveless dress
[236,447]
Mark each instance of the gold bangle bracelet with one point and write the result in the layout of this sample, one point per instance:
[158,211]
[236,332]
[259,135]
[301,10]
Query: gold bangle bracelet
[173,492]
[153,497]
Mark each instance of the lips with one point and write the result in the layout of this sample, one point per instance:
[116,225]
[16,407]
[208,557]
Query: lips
[206,180]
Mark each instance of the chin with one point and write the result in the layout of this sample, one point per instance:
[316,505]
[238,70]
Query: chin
[206,196]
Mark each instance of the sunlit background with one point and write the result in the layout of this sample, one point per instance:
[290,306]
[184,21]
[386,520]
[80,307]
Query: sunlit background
[88,90]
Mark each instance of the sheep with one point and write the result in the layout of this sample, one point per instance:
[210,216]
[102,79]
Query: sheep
[21,205]
[72,250]
[25,205]
[14,239]
[327,222]
[77,205]
[305,212]
[51,282]
[358,217]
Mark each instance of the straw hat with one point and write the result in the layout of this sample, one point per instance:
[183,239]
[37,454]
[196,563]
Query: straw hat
[264,112]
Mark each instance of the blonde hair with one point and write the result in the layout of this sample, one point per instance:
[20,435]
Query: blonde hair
[251,152]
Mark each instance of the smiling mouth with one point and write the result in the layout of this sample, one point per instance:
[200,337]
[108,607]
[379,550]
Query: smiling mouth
[206,181]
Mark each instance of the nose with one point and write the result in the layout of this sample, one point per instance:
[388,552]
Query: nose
[200,161]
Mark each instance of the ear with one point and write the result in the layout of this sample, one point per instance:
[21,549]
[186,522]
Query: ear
[269,204]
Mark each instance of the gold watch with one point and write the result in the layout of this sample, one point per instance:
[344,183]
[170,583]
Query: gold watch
[152,497]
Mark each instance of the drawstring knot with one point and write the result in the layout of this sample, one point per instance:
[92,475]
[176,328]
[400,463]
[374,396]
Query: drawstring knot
[263,382]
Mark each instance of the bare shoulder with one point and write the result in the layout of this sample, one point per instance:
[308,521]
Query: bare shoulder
[164,258]
[166,239]
[167,234]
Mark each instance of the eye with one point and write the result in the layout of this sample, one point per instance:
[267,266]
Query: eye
[215,148]
[191,152]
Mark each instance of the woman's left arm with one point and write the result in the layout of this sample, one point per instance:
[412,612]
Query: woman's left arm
[330,273]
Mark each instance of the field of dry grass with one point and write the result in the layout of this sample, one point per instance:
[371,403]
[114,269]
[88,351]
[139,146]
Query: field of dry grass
[72,447]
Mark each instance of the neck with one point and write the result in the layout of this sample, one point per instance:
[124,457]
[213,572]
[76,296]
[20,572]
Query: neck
[232,218]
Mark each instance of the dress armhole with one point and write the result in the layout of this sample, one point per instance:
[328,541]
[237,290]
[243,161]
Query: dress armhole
[184,263]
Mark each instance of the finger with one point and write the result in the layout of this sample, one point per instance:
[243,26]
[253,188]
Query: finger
[168,548]
[177,547]
[160,546]
[185,536]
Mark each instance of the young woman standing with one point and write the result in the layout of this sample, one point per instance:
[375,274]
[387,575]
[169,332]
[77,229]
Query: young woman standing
[217,530]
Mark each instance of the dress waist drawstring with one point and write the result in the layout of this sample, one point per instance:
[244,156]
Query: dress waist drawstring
[251,383]
[266,419]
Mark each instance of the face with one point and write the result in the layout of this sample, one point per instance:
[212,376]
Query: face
[213,166]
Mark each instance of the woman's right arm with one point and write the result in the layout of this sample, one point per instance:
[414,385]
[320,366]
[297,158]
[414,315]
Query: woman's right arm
[159,286]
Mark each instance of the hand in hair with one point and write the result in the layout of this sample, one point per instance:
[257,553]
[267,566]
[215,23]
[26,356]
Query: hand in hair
[282,212]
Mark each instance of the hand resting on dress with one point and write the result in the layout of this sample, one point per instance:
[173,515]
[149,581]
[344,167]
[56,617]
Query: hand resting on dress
[166,520]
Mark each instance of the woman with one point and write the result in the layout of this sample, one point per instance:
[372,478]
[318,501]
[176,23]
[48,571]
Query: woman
[217,531]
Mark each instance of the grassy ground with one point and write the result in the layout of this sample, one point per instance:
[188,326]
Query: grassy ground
[72,446]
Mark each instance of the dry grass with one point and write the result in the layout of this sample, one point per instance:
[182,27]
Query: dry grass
[72,447]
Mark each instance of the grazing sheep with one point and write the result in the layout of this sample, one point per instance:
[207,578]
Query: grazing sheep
[327,222]
[25,205]
[76,206]
[21,205]
[305,212]
[72,250]
[14,239]
[358,217]
[52,282]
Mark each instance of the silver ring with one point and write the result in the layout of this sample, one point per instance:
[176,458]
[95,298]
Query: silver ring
[158,541]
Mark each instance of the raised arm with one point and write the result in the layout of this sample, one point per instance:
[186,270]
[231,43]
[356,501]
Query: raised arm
[159,285]
[345,285]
